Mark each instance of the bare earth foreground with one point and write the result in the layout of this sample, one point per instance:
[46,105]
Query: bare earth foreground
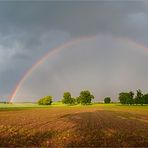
[67,126]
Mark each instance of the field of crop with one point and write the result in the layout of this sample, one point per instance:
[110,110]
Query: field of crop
[69,126]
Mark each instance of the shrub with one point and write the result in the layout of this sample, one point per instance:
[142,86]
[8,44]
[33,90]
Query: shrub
[47,100]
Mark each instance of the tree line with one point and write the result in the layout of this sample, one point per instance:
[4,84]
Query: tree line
[131,98]
[86,98]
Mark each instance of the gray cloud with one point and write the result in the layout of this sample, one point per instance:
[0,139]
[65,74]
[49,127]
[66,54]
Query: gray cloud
[30,29]
[105,69]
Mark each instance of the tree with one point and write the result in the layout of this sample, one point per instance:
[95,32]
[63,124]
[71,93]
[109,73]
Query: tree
[126,97]
[67,99]
[145,99]
[47,100]
[78,100]
[139,97]
[123,97]
[107,100]
[85,97]
[131,98]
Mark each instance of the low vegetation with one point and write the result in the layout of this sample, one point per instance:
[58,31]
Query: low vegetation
[45,100]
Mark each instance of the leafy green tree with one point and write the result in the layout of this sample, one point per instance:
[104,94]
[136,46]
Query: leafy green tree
[78,100]
[85,97]
[126,97]
[145,99]
[67,99]
[123,97]
[107,100]
[139,97]
[131,98]
[47,100]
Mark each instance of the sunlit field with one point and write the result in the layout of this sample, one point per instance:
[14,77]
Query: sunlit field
[61,125]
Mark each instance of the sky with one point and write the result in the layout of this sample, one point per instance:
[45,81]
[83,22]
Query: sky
[30,29]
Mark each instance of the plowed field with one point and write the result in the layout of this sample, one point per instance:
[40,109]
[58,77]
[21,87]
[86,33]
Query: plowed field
[74,127]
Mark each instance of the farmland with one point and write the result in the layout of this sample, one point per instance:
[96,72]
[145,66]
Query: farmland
[68,126]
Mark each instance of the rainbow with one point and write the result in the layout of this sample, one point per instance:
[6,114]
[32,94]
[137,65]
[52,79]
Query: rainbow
[49,54]
[55,51]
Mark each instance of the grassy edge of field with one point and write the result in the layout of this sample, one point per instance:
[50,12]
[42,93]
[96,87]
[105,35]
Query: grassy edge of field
[101,106]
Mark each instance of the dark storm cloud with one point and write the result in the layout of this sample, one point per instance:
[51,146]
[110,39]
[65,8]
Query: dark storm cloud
[29,29]
[86,17]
